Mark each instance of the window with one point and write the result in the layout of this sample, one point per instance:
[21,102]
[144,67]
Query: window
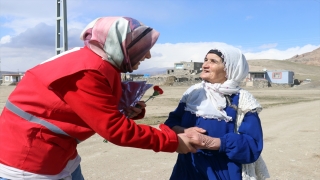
[6,78]
[259,76]
[179,66]
[276,75]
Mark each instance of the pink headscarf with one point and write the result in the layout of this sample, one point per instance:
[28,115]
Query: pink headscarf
[122,41]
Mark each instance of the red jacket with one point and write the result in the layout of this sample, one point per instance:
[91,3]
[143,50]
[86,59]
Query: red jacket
[78,93]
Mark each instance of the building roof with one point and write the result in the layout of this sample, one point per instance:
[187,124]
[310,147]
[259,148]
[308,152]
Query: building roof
[12,74]
[270,71]
[279,71]
[256,72]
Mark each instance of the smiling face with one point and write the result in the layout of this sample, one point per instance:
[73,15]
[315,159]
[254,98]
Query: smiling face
[213,69]
[147,56]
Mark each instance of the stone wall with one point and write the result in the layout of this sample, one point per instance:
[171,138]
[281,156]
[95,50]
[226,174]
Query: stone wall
[263,83]
[275,85]
[191,80]
[260,83]
[159,80]
[186,83]
[182,72]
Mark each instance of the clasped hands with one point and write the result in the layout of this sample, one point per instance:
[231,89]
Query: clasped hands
[191,139]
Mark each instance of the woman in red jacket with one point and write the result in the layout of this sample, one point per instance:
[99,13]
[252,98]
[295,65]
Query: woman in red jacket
[74,95]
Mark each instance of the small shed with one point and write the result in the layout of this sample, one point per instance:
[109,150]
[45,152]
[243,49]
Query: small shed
[11,79]
[280,77]
[256,75]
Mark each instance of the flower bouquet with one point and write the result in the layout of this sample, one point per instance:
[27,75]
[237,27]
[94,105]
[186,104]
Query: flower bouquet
[132,92]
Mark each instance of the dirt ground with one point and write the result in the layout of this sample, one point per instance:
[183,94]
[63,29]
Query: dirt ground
[291,125]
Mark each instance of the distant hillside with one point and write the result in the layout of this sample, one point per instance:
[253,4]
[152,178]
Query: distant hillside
[302,71]
[310,58]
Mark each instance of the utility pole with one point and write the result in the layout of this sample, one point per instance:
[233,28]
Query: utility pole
[0,65]
[61,17]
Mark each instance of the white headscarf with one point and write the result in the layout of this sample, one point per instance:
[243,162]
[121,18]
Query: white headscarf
[206,99]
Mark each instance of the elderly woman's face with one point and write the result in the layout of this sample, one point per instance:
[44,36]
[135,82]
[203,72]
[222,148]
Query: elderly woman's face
[213,69]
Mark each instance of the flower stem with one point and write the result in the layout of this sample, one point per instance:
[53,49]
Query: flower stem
[148,99]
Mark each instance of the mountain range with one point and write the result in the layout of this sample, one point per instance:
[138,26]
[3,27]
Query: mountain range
[310,58]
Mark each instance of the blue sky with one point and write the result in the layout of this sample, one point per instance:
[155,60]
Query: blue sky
[262,29]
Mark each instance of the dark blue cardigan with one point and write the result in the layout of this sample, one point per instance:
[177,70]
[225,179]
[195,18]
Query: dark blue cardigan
[235,150]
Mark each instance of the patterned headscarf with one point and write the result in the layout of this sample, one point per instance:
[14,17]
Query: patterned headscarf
[122,41]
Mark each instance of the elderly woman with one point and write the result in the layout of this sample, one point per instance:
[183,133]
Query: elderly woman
[74,95]
[226,118]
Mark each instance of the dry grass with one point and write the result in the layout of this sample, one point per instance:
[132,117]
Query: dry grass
[301,71]
[162,105]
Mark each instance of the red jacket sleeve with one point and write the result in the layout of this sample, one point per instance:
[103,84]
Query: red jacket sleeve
[91,97]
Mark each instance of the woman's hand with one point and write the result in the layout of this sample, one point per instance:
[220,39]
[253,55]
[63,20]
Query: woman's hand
[189,139]
[185,145]
[135,111]
[207,142]
[194,130]
[179,129]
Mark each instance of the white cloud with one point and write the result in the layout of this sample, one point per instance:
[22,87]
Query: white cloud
[281,54]
[37,44]
[13,59]
[20,15]
[172,53]
[164,55]
[76,25]
[268,46]
[21,25]
[5,39]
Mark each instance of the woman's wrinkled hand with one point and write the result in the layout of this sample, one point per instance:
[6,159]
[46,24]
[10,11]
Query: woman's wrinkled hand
[185,145]
[204,141]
